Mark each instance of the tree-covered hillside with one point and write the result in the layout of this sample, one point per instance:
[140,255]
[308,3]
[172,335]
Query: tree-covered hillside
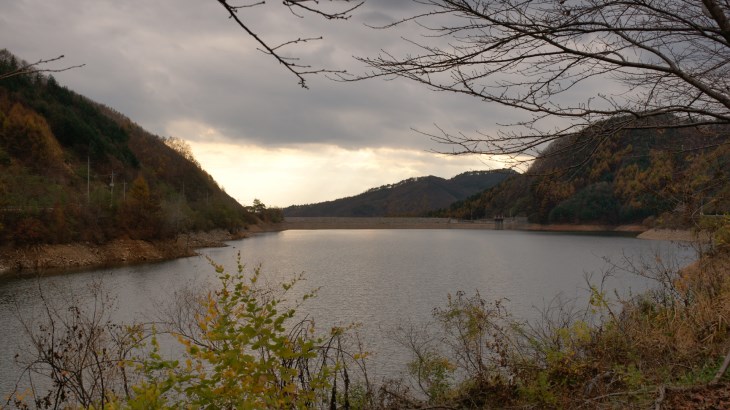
[410,197]
[74,170]
[665,176]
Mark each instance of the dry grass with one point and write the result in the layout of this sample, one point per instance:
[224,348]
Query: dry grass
[683,325]
[613,355]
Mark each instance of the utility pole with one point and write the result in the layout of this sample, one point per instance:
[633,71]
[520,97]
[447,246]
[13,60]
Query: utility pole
[111,189]
[88,180]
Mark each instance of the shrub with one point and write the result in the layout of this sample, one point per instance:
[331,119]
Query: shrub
[241,348]
[243,352]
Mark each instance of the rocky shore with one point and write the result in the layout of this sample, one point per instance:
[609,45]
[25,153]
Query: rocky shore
[116,252]
[129,251]
[679,235]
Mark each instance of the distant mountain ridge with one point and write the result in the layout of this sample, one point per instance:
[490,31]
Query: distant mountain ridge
[410,197]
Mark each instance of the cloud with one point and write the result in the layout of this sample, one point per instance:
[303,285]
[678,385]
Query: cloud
[160,61]
[173,64]
[318,172]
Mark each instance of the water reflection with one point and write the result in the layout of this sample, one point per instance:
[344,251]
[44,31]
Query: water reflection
[380,278]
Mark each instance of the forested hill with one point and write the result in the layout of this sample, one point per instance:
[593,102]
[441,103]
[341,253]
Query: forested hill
[665,177]
[410,197]
[74,170]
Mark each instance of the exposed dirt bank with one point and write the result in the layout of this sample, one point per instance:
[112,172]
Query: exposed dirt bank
[117,252]
[681,235]
[305,223]
[313,223]
[628,229]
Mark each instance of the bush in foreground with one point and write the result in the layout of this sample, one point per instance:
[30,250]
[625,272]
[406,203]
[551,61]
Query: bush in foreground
[624,353]
[241,347]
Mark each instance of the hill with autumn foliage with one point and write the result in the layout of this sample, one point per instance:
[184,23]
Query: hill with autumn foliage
[659,177]
[72,170]
[410,197]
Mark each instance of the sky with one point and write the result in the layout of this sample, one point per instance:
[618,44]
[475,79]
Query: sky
[182,68]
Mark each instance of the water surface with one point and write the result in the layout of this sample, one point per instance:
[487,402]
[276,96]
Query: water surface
[379,278]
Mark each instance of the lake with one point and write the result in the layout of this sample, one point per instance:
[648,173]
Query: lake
[379,278]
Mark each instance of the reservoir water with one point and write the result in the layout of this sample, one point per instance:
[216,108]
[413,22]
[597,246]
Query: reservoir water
[379,278]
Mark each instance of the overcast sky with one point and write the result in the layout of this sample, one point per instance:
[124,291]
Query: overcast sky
[181,68]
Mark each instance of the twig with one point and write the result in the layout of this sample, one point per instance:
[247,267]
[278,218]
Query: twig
[660,399]
[289,63]
[30,68]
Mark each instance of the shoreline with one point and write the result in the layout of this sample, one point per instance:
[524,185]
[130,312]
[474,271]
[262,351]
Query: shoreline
[509,224]
[120,252]
[518,224]
[54,258]
[677,235]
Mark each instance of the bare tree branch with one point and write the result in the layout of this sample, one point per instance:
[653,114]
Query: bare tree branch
[37,67]
[663,63]
[309,6]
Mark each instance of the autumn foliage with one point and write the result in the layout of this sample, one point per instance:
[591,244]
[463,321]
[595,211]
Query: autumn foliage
[74,170]
[654,176]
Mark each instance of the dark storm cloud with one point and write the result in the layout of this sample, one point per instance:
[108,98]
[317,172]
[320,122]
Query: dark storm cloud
[166,61]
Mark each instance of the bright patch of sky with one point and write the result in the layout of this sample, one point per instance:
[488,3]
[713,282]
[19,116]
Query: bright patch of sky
[181,68]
